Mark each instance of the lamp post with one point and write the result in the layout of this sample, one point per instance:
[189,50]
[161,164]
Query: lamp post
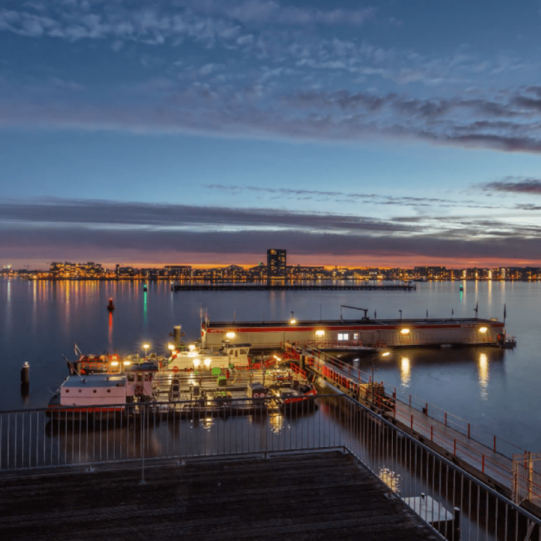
[145,347]
[374,358]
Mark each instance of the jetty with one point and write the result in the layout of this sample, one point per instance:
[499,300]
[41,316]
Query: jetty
[502,465]
[291,287]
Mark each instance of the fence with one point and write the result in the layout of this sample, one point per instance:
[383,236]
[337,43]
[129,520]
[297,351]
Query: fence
[527,477]
[144,433]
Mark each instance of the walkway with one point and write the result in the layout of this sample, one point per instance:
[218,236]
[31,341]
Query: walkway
[291,497]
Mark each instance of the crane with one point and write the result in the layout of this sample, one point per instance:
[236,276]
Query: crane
[365,310]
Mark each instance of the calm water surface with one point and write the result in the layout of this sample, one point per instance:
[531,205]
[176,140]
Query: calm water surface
[496,390]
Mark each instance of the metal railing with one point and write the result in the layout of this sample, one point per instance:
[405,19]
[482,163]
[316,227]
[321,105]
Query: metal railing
[491,441]
[458,505]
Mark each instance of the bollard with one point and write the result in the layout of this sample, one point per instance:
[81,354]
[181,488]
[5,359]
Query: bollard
[25,374]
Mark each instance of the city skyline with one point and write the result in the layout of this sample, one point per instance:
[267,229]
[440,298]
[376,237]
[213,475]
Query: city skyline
[349,133]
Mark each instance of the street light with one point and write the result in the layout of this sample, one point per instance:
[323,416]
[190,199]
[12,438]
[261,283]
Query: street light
[145,347]
[171,347]
[374,358]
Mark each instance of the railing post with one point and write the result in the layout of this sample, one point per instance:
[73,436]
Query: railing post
[142,482]
[412,421]
[494,443]
[445,418]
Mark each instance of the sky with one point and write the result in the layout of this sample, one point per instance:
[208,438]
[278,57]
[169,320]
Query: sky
[388,133]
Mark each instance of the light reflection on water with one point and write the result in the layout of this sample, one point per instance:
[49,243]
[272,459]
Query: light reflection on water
[483,375]
[405,371]
[41,320]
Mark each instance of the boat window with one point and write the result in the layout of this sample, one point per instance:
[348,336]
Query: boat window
[343,336]
[131,377]
[356,336]
[139,377]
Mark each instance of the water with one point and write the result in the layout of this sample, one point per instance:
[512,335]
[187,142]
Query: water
[493,389]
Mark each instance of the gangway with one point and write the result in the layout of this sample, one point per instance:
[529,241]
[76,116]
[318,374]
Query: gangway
[490,459]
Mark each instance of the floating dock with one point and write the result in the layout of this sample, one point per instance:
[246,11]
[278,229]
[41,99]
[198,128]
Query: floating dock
[291,287]
[366,333]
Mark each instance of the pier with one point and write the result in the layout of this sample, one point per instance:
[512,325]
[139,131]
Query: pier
[502,465]
[291,287]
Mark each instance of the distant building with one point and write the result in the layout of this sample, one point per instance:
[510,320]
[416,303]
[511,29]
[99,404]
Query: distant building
[179,270]
[276,263]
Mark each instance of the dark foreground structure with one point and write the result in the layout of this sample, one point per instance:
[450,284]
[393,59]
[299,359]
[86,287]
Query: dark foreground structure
[300,497]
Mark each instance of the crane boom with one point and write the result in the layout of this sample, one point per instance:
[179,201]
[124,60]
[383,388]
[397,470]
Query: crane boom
[365,310]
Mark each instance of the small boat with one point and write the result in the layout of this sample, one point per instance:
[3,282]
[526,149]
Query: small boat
[95,364]
[101,397]
[295,395]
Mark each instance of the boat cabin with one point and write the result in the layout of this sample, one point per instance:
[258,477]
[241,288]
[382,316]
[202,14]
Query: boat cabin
[94,391]
[139,380]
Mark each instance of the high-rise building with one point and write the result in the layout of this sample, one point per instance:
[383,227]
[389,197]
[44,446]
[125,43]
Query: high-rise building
[276,263]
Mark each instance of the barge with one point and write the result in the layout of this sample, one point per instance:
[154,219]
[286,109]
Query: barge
[352,335]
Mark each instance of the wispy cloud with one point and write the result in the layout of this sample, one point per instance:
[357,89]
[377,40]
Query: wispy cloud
[64,228]
[370,198]
[517,185]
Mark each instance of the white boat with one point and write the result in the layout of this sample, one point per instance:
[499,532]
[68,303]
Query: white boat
[102,395]
[195,358]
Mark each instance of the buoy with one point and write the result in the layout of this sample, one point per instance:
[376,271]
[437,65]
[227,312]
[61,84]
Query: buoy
[25,374]
[110,306]
[145,288]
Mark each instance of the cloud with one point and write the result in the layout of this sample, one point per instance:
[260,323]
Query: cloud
[517,185]
[64,229]
[115,214]
[270,11]
[370,198]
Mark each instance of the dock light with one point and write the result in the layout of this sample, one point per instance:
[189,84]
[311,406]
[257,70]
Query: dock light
[277,358]
[196,362]
[385,353]
[292,321]
[171,347]
[191,347]
[127,363]
[207,362]
[114,363]
[405,331]
[483,330]
[230,335]
[320,333]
